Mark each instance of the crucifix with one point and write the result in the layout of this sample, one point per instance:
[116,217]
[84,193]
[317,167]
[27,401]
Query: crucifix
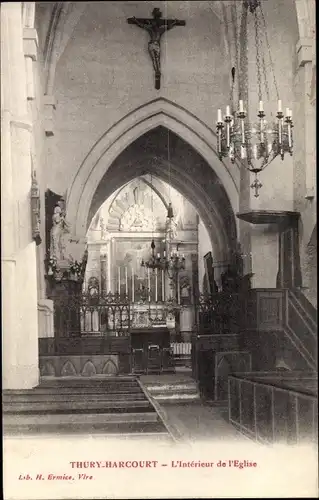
[156,27]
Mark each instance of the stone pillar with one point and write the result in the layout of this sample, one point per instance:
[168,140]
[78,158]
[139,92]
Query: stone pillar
[103,267]
[19,273]
[186,320]
[304,50]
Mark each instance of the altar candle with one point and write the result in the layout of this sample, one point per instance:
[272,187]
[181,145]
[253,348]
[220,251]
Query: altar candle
[227,111]
[156,285]
[241,106]
[279,106]
[261,106]
[163,285]
[132,284]
[149,285]
[219,116]
[126,282]
[178,291]
[119,278]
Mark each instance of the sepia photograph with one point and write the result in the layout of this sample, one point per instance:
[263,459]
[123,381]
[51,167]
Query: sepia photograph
[159,249]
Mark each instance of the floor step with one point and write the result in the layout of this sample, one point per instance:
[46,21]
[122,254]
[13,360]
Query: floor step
[178,387]
[71,391]
[77,418]
[155,429]
[79,407]
[55,398]
[175,389]
[88,381]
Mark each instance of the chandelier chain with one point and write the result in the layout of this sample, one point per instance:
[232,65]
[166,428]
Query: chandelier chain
[257,42]
[269,51]
[244,83]
[265,73]
[237,48]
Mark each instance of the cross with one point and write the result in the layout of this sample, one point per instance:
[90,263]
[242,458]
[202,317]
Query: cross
[156,27]
[256,185]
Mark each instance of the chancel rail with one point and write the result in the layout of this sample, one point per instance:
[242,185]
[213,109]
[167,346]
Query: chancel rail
[219,313]
[104,315]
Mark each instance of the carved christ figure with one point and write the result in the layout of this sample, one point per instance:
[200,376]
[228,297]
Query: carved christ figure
[156,27]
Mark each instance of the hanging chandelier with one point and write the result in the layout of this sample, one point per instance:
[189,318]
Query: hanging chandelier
[174,264]
[254,144]
[154,262]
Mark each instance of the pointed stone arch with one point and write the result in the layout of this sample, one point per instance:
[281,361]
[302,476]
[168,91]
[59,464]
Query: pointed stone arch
[136,123]
[47,370]
[110,368]
[68,369]
[89,369]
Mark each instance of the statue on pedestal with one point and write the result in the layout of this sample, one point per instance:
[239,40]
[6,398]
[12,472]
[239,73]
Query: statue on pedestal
[57,234]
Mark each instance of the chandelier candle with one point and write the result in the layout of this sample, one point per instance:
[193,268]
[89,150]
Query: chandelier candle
[156,285]
[126,282]
[163,283]
[149,284]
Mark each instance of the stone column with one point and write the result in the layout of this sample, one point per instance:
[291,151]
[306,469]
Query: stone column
[19,273]
[186,322]
[103,267]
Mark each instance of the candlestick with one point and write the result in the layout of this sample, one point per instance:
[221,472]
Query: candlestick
[178,291]
[156,285]
[119,280]
[149,285]
[163,285]
[126,282]
[219,116]
[133,291]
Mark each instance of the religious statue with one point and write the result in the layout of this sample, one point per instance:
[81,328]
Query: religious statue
[57,234]
[156,27]
[103,229]
[170,225]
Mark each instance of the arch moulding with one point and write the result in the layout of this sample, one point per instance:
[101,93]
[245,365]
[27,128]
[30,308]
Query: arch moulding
[125,132]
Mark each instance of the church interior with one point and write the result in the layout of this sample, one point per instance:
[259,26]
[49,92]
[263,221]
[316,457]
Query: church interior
[159,232]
